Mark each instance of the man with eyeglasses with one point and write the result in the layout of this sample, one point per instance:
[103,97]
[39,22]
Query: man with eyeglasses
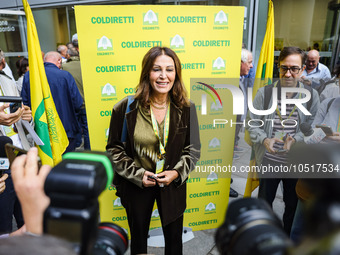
[315,71]
[273,140]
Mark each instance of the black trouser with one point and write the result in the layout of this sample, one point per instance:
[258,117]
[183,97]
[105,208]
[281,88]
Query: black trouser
[138,204]
[267,191]
[9,206]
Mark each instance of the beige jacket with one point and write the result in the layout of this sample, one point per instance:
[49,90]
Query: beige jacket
[9,88]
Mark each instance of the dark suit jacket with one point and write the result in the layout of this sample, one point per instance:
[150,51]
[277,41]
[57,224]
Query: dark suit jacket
[182,153]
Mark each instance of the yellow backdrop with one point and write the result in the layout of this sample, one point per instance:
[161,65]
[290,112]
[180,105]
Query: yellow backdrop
[113,41]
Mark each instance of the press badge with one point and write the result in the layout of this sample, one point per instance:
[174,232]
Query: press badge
[160,166]
[9,131]
[280,135]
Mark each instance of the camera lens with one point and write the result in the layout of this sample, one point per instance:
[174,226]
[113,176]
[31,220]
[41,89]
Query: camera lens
[111,240]
[251,227]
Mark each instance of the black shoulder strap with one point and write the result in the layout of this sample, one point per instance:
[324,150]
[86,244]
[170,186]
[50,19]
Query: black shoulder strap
[124,131]
[330,103]
[268,90]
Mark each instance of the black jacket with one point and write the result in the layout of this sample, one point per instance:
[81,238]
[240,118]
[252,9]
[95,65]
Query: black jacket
[182,153]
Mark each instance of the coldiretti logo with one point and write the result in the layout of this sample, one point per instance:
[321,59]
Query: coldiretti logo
[221,19]
[218,64]
[210,208]
[201,223]
[204,194]
[208,89]
[211,126]
[108,90]
[216,106]
[176,42]
[214,144]
[212,178]
[104,44]
[150,18]
[117,205]
[155,215]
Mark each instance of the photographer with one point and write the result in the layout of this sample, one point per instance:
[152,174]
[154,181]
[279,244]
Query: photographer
[29,186]
[328,115]
[12,127]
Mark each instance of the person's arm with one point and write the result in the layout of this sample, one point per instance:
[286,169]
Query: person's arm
[9,119]
[125,165]
[269,144]
[29,186]
[27,113]
[3,183]
[321,113]
[19,231]
[309,119]
[190,154]
[326,74]
[335,137]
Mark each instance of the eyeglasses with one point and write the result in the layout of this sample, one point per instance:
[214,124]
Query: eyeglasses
[292,70]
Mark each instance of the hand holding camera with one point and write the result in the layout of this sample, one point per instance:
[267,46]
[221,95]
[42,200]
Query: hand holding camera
[9,119]
[2,182]
[27,113]
[29,186]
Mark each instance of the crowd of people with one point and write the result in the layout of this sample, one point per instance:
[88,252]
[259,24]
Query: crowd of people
[273,140]
[70,107]
[154,137]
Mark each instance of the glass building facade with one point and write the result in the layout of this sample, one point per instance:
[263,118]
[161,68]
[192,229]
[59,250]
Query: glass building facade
[305,23]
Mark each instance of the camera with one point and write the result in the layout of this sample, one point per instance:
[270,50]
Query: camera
[15,102]
[251,227]
[73,187]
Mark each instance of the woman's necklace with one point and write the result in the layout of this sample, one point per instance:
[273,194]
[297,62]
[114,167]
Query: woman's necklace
[159,107]
[162,105]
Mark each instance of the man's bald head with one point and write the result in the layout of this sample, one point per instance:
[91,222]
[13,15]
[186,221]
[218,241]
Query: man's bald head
[53,57]
[62,49]
[312,61]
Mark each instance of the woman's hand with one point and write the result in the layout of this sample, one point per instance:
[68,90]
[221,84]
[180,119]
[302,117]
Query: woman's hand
[147,181]
[167,177]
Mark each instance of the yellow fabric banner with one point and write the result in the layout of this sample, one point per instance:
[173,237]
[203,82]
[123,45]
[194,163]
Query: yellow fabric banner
[207,39]
[47,122]
[264,76]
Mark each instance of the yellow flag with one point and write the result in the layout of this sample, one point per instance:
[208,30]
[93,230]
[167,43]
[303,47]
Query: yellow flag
[47,122]
[264,76]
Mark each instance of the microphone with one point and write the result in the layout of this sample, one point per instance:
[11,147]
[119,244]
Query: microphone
[312,135]
[4,162]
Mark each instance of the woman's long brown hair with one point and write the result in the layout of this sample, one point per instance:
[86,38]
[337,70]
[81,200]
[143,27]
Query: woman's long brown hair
[177,93]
